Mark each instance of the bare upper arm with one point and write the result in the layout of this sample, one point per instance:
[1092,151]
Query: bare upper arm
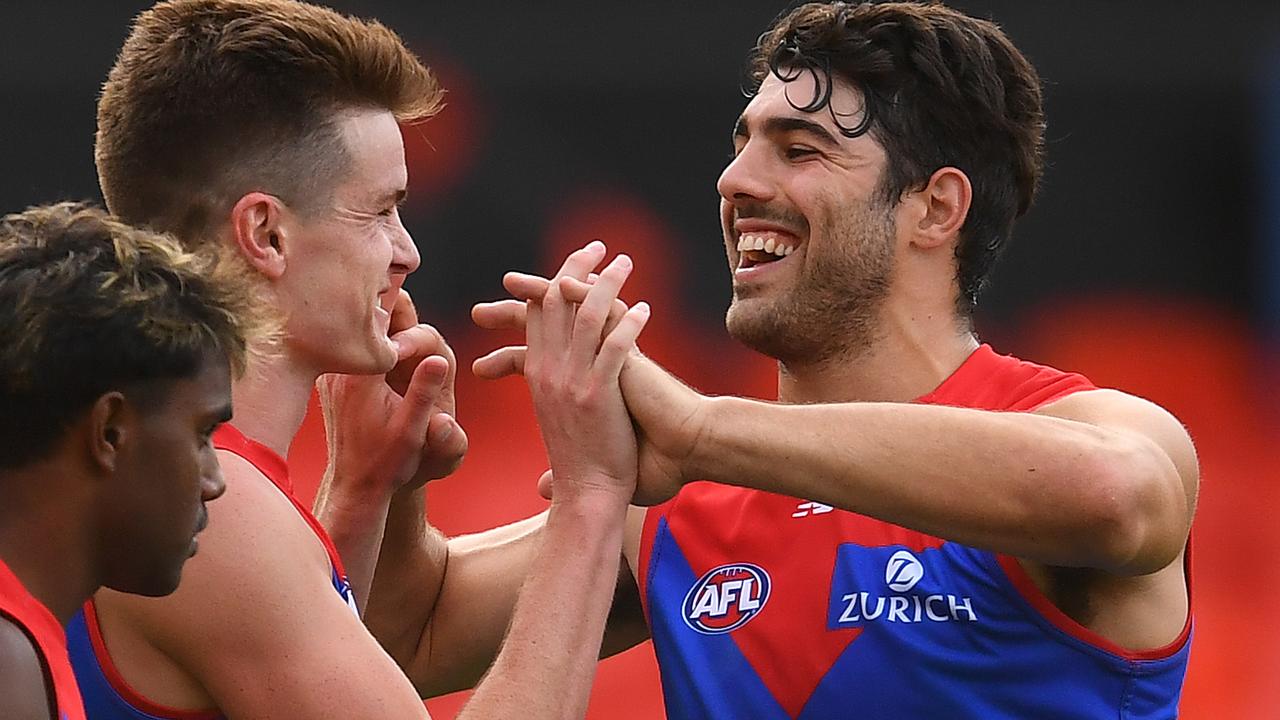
[258,625]
[1136,610]
[1150,425]
[24,694]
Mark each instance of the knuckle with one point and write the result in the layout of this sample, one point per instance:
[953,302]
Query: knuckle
[618,342]
[583,396]
[590,316]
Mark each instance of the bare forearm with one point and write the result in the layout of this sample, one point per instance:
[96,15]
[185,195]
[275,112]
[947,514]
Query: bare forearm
[548,659]
[1032,486]
[441,606]
[355,524]
[411,566]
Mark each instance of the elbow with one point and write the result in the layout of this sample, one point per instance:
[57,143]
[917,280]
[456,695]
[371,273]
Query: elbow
[1137,519]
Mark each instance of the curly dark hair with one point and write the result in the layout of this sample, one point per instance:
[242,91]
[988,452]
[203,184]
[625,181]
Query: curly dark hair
[89,304]
[940,89]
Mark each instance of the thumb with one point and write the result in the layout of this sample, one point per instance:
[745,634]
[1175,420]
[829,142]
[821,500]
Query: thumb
[403,313]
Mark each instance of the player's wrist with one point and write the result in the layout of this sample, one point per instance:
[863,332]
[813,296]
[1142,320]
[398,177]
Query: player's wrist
[355,490]
[593,492]
[698,458]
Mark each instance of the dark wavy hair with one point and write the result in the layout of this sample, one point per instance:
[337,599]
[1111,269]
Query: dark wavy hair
[940,89]
[89,304]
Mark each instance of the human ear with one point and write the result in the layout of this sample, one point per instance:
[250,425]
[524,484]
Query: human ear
[108,430]
[258,227]
[941,206]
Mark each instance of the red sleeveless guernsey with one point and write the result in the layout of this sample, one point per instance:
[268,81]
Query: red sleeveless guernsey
[20,608]
[763,606]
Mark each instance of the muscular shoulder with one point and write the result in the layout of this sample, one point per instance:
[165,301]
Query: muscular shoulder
[255,536]
[254,516]
[1135,417]
[1106,405]
[23,694]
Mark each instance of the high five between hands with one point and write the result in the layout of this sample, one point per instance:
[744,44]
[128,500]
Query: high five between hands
[666,415]
[580,360]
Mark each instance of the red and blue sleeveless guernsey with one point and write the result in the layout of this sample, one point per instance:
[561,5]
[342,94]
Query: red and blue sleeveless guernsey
[107,695]
[769,607]
[33,618]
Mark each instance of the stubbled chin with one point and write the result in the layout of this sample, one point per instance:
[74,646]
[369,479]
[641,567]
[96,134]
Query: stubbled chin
[745,313]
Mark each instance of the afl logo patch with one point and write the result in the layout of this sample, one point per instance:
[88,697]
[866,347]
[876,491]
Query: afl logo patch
[725,598]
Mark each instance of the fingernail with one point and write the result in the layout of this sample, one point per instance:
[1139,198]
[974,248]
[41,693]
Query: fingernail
[624,261]
[642,307]
[596,244]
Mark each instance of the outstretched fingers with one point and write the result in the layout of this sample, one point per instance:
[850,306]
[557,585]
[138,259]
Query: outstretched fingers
[590,321]
[620,341]
[560,314]
[503,362]
[527,311]
[510,314]
[524,286]
[549,321]
[500,315]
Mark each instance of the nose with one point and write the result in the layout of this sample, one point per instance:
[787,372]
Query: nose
[212,485]
[404,253]
[747,176]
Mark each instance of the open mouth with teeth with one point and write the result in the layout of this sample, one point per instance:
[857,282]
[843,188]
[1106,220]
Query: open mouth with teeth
[759,249]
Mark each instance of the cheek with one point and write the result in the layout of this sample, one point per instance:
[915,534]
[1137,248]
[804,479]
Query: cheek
[726,215]
[726,231]
[370,259]
[163,484]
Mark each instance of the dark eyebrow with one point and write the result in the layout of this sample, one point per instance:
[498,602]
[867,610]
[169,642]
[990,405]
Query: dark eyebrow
[780,125]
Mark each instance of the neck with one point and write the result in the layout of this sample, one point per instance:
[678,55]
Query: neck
[913,353]
[271,400]
[45,537]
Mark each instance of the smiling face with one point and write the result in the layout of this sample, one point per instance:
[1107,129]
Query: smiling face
[350,258]
[165,472]
[809,237]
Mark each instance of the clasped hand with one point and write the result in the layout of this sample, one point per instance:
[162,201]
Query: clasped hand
[667,417]
[572,363]
[397,431]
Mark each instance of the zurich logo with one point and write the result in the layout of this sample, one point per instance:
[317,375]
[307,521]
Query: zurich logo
[725,598]
[903,571]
